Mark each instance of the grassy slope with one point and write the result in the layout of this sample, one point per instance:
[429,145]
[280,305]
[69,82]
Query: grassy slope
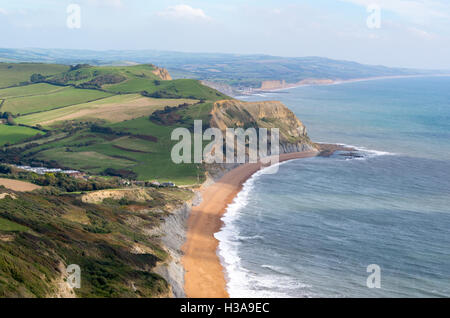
[29,90]
[38,103]
[115,108]
[13,74]
[8,226]
[14,134]
[86,74]
[94,152]
[182,88]
[41,232]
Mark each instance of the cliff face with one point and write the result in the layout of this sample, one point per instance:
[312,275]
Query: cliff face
[162,73]
[269,114]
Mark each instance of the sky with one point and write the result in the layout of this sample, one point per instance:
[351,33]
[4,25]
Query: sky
[403,33]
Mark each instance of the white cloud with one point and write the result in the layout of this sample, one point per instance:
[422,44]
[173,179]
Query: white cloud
[183,11]
[422,33]
[419,11]
[3,11]
[106,3]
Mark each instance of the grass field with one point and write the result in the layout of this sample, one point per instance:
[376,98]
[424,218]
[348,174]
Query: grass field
[29,90]
[94,152]
[112,109]
[118,98]
[182,88]
[60,98]
[16,73]
[15,134]
[90,73]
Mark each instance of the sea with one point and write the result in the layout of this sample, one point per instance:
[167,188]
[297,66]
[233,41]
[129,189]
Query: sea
[377,225]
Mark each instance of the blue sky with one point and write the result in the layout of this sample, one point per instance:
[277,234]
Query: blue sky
[413,33]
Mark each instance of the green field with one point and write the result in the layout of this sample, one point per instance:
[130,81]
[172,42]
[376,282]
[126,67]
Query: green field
[59,98]
[15,134]
[112,109]
[29,90]
[182,88]
[121,100]
[139,145]
[102,74]
[94,152]
[15,73]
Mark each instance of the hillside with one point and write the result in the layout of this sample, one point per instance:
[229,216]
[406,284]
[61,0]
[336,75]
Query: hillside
[95,118]
[112,125]
[227,72]
[78,119]
[42,233]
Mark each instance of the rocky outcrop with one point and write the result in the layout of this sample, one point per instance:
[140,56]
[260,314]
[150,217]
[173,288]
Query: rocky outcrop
[162,73]
[268,114]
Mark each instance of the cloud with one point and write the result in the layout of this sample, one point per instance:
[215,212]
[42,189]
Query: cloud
[3,11]
[106,3]
[419,11]
[183,11]
[421,33]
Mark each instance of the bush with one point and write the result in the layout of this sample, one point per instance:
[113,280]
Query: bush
[4,169]
[37,78]
[123,173]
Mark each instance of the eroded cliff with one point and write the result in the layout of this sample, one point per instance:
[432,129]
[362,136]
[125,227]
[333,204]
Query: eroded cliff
[267,114]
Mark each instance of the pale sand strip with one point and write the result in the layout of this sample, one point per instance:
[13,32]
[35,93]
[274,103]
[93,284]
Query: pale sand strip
[204,275]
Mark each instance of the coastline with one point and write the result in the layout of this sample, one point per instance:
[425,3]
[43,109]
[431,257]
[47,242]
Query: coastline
[204,274]
[336,82]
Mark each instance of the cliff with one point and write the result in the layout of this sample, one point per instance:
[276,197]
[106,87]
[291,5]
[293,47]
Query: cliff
[162,73]
[268,114]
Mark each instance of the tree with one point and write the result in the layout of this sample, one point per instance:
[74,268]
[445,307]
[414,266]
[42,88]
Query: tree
[37,78]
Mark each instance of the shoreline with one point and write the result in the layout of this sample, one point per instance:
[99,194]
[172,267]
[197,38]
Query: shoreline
[204,273]
[337,82]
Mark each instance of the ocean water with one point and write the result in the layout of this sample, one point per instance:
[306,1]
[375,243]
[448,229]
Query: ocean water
[312,229]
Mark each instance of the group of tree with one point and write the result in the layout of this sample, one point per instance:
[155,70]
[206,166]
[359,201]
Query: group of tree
[8,118]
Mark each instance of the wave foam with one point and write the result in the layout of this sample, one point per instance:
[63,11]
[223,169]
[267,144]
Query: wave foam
[240,281]
[368,153]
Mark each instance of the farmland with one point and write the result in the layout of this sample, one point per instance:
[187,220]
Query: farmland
[14,134]
[57,99]
[14,74]
[112,109]
[97,118]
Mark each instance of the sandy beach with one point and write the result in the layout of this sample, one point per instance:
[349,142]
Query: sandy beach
[204,275]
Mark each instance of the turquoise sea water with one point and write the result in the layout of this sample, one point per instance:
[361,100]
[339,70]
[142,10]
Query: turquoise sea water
[312,229]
